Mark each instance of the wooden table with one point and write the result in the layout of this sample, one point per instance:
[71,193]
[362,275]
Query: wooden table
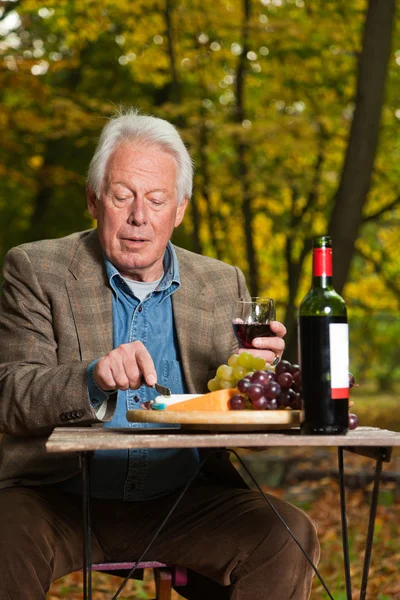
[368,441]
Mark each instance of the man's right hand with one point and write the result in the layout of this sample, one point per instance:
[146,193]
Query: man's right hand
[125,367]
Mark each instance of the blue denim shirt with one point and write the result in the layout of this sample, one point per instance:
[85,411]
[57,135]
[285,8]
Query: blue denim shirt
[138,474]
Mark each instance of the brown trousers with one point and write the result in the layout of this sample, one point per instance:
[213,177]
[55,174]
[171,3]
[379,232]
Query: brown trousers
[230,540]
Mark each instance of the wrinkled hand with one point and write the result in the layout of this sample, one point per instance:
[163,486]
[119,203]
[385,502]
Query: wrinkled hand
[125,368]
[269,347]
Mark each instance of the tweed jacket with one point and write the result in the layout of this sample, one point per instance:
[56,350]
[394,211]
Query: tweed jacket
[56,317]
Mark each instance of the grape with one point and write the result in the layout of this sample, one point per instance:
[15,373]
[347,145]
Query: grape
[245,360]
[272,404]
[259,363]
[225,384]
[282,367]
[297,379]
[272,389]
[255,391]
[243,385]
[260,377]
[293,369]
[232,360]
[225,372]
[237,402]
[296,401]
[283,399]
[238,372]
[213,384]
[353,421]
[285,380]
[259,403]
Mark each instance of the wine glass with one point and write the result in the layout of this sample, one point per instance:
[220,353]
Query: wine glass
[251,319]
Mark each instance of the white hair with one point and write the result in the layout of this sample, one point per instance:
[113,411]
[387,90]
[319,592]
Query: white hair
[131,126]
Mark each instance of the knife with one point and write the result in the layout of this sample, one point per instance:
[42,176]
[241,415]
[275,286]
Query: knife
[161,389]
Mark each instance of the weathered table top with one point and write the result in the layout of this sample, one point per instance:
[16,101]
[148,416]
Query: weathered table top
[81,439]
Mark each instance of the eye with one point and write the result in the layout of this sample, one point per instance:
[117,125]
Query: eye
[156,202]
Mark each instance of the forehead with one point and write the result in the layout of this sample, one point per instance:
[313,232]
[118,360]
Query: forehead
[137,161]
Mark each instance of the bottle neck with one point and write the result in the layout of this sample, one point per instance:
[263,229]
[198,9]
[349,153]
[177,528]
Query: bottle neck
[322,268]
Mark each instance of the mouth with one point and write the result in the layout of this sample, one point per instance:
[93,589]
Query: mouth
[134,241]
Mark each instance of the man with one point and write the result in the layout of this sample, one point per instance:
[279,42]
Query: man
[88,323]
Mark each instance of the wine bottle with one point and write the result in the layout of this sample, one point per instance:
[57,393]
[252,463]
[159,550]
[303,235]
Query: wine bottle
[324,349]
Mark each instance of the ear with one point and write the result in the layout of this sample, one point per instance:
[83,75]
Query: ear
[180,211]
[92,201]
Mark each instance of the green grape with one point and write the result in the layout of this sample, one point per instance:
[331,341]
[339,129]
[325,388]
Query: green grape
[245,360]
[225,372]
[214,385]
[259,363]
[226,384]
[232,360]
[239,372]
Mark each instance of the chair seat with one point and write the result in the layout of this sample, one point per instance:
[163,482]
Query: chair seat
[165,575]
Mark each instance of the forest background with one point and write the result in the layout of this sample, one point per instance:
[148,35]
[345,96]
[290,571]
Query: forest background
[291,111]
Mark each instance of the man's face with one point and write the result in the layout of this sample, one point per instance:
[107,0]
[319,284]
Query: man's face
[137,210]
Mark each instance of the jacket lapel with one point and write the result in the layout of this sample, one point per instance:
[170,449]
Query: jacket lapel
[193,317]
[91,299]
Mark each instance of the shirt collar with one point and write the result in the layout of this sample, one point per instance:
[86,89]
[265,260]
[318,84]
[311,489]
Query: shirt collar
[171,277]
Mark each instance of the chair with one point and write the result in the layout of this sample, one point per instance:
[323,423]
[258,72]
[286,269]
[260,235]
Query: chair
[164,575]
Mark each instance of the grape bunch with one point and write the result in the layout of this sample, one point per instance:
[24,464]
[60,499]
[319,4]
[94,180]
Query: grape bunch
[270,390]
[261,387]
[239,366]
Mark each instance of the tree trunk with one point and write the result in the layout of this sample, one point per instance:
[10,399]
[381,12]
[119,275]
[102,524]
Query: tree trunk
[358,164]
[247,211]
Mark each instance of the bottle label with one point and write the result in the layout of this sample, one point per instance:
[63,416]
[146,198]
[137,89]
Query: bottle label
[339,360]
[322,262]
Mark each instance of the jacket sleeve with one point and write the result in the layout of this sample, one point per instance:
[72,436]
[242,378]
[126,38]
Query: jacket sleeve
[36,392]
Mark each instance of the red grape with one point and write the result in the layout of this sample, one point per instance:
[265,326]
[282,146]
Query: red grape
[272,389]
[255,391]
[237,402]
[243,384]
[294,368]
[282,367]
[259,403]
[260,377]
[297,379]
[353,421]
[272,404]
[352,381]
[285,380]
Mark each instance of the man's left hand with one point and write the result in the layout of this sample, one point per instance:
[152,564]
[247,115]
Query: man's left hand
[270,348]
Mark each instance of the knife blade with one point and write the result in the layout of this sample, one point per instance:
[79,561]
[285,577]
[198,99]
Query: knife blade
[161,389]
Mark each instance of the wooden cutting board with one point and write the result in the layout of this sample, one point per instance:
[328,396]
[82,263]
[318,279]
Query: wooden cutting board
[220,420]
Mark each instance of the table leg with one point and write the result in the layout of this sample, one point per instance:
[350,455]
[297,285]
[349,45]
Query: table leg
[371,526]
[378,454]
[343,514]
[87,531]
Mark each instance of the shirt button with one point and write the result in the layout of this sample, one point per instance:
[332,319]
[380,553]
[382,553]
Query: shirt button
[140,308]
[136,398]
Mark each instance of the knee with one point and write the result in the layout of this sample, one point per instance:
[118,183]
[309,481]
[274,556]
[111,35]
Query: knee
[305,531]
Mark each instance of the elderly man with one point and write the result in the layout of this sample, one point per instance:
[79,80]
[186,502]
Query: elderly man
[88,323]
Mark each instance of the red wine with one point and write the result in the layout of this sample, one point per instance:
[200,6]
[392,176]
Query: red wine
[245,333]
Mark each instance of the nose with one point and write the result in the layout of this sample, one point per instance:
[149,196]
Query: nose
[138,214]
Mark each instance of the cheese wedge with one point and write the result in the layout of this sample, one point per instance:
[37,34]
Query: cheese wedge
[218,400]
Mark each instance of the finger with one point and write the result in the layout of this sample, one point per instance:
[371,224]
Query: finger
[268,355]
[120,377]
[278,328]
[146,365]
[275,344]
[103,376]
